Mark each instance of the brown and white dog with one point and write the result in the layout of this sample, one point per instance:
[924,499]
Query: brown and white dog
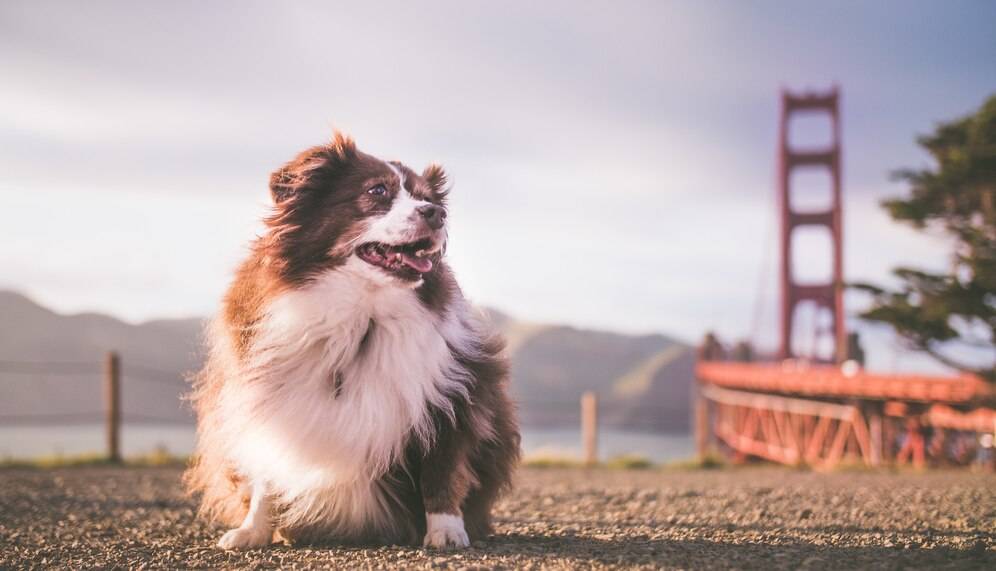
[351,392]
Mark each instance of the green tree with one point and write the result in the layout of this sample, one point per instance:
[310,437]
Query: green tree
[936,312]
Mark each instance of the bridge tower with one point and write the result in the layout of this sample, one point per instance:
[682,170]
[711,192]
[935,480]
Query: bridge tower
[821,414]
[827,297]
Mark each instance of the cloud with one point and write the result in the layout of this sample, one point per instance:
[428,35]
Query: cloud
[613,164]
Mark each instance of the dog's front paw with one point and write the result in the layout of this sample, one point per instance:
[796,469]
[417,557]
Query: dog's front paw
[445,531]
[245,538]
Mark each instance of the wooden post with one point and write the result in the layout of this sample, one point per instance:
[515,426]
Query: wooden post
[589,427]
[919,446]
[888,440]
[876,436]
[702,436]
[112,404]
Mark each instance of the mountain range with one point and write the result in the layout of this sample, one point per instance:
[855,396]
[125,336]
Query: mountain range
[51,369]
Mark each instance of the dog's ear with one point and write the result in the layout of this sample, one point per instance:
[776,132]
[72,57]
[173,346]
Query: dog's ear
[289,179]
[282,183]
[342,147]
[436,177]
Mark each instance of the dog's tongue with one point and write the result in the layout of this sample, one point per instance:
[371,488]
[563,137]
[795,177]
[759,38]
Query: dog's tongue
[420,265]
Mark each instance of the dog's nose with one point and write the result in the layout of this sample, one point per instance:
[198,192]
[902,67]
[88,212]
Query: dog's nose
[434,215]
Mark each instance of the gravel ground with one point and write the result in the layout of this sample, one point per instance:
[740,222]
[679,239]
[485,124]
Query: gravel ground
[738,518]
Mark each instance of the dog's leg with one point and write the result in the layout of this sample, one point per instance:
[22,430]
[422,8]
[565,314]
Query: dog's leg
[446,479]
[256,529]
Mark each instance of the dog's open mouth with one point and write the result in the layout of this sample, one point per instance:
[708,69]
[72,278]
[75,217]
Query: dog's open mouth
[408,261]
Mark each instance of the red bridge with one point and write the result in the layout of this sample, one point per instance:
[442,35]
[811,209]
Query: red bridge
[825,408]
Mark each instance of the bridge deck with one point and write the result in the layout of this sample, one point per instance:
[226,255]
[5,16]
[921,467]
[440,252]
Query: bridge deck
[831,382]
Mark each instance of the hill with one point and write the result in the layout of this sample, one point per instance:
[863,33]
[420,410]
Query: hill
[643,381]
[154,355]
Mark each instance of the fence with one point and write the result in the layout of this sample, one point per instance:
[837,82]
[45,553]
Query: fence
[587,412]
[110,371]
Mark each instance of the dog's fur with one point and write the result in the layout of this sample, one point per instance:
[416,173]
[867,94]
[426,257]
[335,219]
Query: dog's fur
[343,401]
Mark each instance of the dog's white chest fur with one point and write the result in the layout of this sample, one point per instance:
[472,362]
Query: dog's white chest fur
[343,374]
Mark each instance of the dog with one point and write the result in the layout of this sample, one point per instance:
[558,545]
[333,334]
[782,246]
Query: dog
[351,394]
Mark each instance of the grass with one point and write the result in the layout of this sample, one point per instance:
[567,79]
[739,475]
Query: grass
[158,457]
[162,457]
[628,462]
[552,460]
[621,462]
[711,461]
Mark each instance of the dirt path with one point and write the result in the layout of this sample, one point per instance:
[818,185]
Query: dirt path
[742,518]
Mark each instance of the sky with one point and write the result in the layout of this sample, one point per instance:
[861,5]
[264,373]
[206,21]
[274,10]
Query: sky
[613,162]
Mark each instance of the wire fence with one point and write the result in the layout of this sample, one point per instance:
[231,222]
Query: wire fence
[86,372]
[139,373]
[112,374]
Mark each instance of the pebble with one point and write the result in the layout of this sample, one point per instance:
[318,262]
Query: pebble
[740,518]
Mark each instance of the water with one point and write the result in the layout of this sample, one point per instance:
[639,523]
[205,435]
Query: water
[611,442]
[136,439]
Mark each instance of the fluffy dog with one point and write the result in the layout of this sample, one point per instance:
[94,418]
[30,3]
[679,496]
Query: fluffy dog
[351,393]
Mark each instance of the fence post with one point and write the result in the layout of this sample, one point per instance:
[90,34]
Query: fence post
[589,427]
[112,404]
[702,425]
[876,435]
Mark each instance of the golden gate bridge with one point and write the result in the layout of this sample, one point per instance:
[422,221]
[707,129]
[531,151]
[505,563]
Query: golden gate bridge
[823,408]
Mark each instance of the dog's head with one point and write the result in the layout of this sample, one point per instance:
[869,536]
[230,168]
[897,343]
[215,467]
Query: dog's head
[334,202]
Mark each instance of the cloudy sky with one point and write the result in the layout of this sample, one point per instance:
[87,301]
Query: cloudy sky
[613,162]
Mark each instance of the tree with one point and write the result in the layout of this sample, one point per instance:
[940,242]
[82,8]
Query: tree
[937,312]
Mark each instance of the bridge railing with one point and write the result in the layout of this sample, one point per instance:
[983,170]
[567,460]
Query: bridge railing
[798,378]
[790,412]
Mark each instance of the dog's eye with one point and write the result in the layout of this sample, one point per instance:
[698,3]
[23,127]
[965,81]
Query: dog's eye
[378,190]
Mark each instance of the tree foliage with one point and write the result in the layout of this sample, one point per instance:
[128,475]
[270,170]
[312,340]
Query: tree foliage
[935,312]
